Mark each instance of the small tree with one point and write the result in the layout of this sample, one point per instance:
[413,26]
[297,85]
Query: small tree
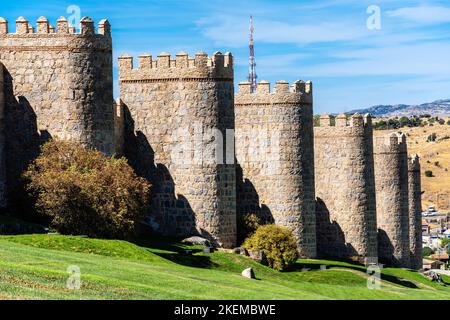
[277,243]
[84,192]
[427,251]
[404,121]
[428,173]
[445,242]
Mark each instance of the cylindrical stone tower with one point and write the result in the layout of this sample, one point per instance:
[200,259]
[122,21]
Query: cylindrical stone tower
[345,185]
[391,181]
[415,212]
[2,142]
[274,151]
[179,120]
[57,84]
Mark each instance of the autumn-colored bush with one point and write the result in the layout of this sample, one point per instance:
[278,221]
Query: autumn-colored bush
[277,243]
[85,192]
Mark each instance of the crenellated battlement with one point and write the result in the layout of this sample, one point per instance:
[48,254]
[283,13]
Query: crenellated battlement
[415,211]
[391,182]
[392,143]
[343,161]
[182,66]
[282,93]
[44,27]
[274,149]
[342,121]
[66,79]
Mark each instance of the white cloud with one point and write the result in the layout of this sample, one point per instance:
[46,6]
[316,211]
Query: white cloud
[233,31]
[422,14]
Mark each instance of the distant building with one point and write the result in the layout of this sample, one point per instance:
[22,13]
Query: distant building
[431,264]
[442,257]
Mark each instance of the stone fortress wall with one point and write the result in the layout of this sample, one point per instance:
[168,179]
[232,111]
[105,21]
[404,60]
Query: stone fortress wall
[2,142]
[175,122]
[391,184]
[274,151]
[415,212]
[175,111]
[345,188]
[58,84]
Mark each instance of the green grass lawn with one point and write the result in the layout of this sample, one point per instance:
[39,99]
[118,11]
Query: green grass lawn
[35,267]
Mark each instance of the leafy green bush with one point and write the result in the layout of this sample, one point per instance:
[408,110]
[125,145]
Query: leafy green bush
[445,242]
[427,251]
[277,243]
[84,192]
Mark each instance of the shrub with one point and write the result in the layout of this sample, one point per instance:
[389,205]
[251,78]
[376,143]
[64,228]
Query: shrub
[432,137]
[247,225]
[404,121]
[445,242]
[84,192]
[427,251]
[429,174]
[277,243]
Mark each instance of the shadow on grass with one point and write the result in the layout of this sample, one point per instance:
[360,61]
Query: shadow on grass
[355,266]
[171,249]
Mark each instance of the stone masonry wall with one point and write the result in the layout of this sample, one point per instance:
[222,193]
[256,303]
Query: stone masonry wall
[2,142]
[344,179]
[176,113]
[415,212]
[274,150]
[391,180]
[119,124]
[58,84]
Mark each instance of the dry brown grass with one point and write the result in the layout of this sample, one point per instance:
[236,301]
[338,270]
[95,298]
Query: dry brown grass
[435,156]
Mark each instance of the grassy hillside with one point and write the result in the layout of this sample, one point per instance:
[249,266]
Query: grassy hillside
[34,267]
[435,156]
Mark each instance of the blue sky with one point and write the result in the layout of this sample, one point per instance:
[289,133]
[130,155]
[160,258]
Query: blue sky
[328,42]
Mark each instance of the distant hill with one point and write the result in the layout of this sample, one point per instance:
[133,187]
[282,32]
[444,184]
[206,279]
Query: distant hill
[436,108]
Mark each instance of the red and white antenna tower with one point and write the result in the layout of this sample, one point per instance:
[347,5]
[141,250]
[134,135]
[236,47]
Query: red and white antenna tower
[252,64]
